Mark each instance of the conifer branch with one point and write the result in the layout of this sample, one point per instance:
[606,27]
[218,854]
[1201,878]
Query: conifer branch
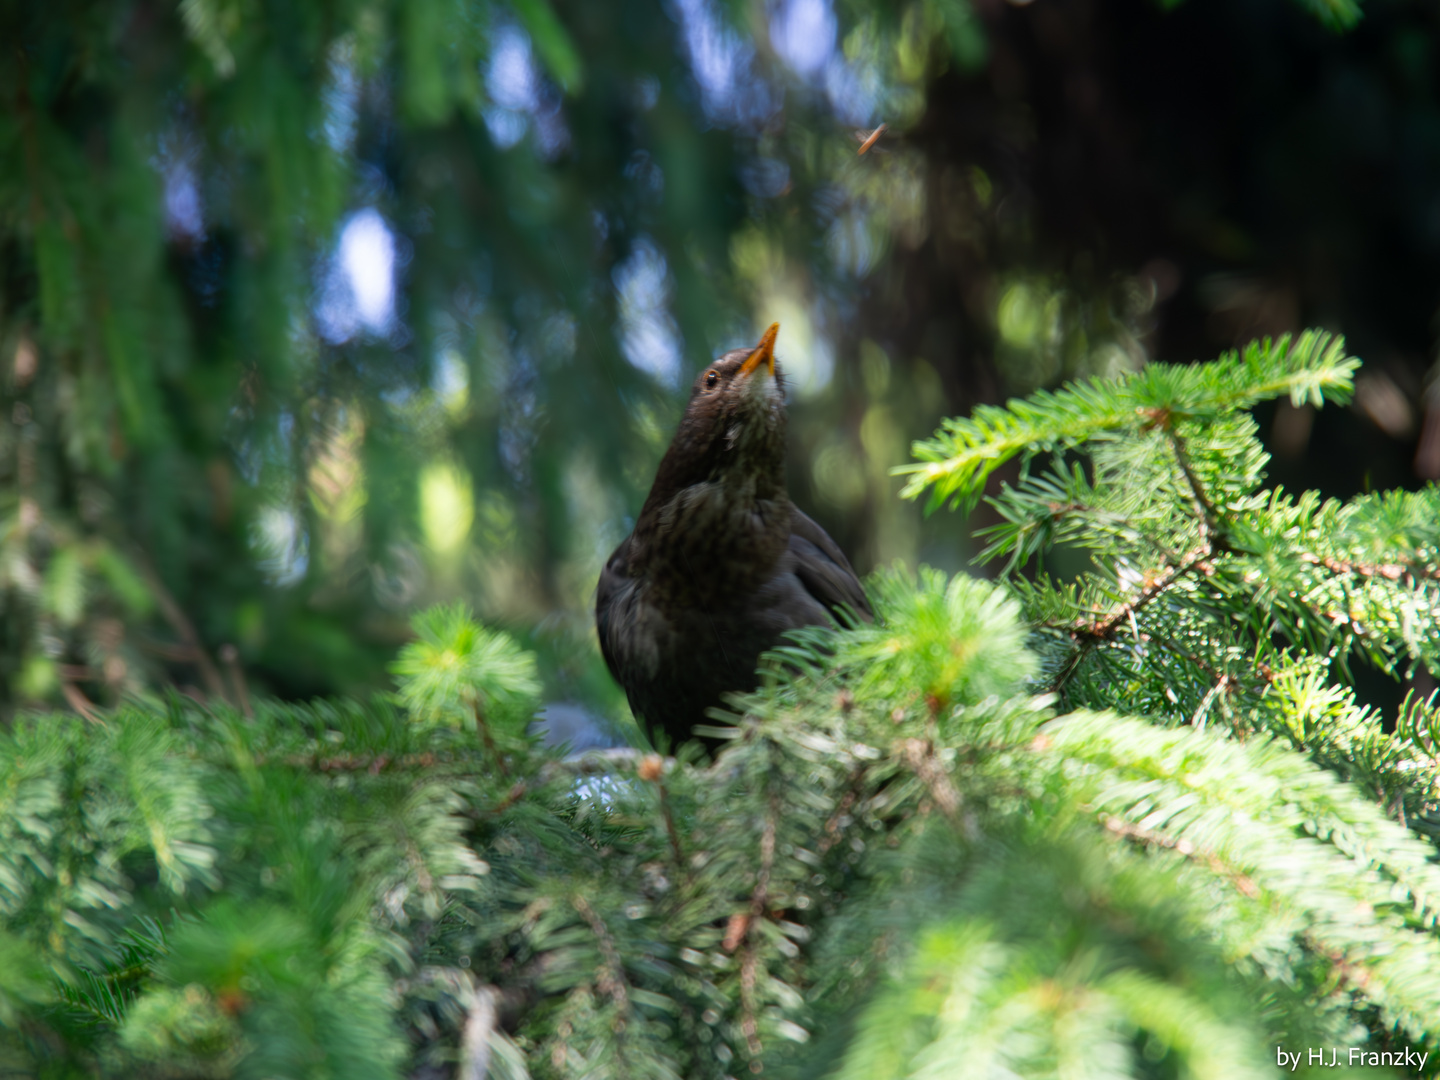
[750,959]
[1204,509]
[1091,633]
[79,702]
[489,740]
[955,464]
[919,754]
[475,1042]
[611,981]
[831,832]
[671,832]
[1181,846]
[347,825]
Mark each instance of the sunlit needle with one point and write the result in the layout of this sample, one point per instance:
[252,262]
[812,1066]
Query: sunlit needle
[874,136]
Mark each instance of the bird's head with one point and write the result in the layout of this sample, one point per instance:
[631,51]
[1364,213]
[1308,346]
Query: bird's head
[729,450]
[736,413]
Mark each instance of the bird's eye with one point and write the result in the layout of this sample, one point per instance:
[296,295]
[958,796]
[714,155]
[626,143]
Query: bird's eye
[712,377]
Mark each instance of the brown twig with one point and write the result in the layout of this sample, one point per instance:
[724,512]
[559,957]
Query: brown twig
[750,961]
[589,762]
[374,764]
[79,702]
[488,739]
[167,651]
[230,657]
[611,981]
[831,830]
[652,768]
[1388,571]
[184,628]
[1103,630]
[1092,633]
[1239,879]
[475,1040]
[919,754]
[1204,508]
[517,792]
[1346,971]
[1104,625]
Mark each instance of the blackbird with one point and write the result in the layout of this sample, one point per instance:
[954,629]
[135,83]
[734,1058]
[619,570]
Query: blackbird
[720,563]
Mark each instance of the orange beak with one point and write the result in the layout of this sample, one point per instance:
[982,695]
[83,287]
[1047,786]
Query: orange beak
[764,352]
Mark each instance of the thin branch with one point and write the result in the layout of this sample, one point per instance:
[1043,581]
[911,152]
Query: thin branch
[374,764]
[652,768]
[184,628]
[475,1040]
[1091,634]
[79,702]
[230,657]
[488,739]
[831,830]
[1388,571]
[920,756]
[1346,971]
[589,762]
[1221,685]
[1209,520]
[612,981]
[1105,629]
[166,651]
[1242,881]
[750,961]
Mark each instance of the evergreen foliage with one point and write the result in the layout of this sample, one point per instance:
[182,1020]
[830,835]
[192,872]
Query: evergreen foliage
[216,438]
[1125,821]
[210,447]
[1209,599]
[964,840]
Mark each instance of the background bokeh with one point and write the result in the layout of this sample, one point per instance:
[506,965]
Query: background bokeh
[313,314]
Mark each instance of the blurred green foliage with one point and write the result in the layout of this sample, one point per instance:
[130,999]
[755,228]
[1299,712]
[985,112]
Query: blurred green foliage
[313,314]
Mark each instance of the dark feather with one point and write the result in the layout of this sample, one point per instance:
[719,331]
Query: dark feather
[824,570]
[720,565]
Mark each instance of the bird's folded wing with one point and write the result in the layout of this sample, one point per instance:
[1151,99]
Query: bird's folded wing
[823,569]
[610,594]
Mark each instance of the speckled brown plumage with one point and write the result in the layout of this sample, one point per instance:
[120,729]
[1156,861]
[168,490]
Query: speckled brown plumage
[720,563]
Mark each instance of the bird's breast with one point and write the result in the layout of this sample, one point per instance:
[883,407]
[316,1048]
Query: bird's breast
[713,541]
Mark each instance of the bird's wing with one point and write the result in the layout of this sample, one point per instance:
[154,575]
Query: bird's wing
[823,569]
[608,593]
